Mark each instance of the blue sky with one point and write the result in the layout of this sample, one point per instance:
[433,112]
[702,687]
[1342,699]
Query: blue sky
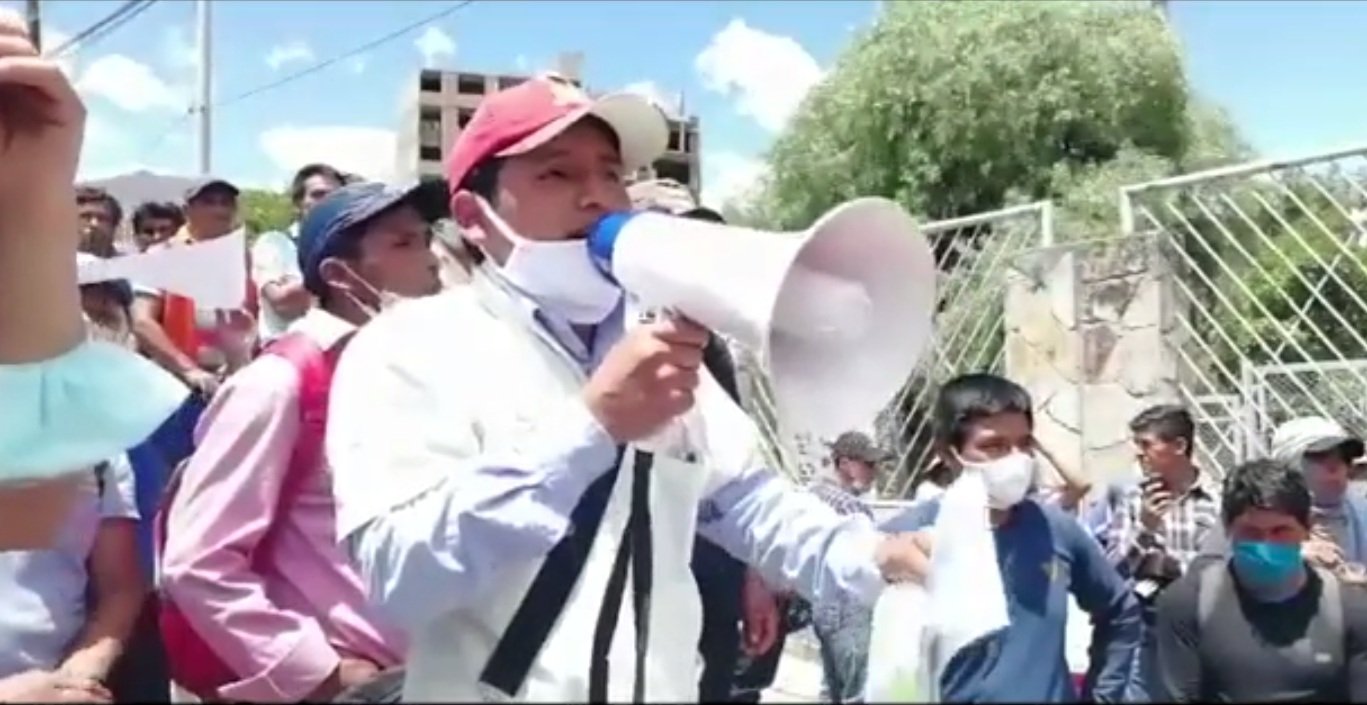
[1286,71]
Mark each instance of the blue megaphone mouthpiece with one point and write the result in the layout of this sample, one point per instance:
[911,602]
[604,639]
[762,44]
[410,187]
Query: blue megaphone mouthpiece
[602,240]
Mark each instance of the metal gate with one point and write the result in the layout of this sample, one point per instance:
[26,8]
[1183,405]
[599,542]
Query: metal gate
[1269,281]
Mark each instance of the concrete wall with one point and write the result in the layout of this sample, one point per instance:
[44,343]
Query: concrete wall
[1085,331]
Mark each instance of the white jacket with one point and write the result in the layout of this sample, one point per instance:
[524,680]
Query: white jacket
[466,374]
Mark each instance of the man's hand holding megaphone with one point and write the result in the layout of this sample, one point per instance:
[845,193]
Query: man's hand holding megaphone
[648,378]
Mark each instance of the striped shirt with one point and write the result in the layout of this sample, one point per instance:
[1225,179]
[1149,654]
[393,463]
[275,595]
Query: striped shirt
[840,499]
[1193,515]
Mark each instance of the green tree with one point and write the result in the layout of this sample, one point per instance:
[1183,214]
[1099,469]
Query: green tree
[956,108]
[264,211]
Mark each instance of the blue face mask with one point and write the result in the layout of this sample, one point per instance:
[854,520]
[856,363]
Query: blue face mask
[1266,564]
[79,408]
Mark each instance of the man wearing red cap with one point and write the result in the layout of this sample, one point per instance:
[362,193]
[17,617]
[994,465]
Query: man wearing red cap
[520,472]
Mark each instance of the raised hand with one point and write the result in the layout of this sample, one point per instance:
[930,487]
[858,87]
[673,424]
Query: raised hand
[42,120]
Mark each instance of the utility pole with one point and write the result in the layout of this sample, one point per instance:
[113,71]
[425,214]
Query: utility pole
[35,24]
[206,72]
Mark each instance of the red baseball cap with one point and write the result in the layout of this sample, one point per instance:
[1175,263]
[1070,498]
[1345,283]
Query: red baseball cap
[530,114]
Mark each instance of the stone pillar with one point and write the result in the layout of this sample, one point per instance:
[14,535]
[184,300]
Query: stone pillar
[1087,331]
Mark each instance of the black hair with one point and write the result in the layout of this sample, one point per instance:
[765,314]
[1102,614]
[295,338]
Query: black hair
[707,215]
[1273,485]
[938,474]
[1169,422]
[308,172]
[95,194]
[482,181]
[158,210]
[853,445]
[971,397]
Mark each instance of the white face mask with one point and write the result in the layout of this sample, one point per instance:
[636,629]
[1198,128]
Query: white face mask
[1008,478]
[383,299]
[558,274]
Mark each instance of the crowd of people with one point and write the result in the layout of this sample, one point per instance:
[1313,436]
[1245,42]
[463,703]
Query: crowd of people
[428,459]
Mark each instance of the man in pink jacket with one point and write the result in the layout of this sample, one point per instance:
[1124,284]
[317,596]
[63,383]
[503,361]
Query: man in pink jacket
[259,577]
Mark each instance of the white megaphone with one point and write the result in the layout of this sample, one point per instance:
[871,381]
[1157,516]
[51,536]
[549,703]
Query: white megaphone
[212,272]
[838,314]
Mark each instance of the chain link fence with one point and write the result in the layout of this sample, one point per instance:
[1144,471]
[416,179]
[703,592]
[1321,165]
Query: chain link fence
[973,254]
[1269,279]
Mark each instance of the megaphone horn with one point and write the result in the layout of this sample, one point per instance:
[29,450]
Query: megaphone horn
[839,314]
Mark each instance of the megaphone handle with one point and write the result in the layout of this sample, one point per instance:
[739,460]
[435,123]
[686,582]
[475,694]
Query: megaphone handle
[652,314]
[674,437]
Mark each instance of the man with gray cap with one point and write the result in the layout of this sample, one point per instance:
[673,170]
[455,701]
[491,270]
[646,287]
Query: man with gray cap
[843,627]
[1325,452]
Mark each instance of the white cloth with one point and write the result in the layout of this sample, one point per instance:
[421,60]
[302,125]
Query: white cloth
[967,597]
[275,260]
[899,665]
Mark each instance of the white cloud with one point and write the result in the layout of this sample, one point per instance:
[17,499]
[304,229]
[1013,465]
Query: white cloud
[110,149]
[434,45]
[129,84]
[178,50]
[295,51]
[368,151]
[729,176]
[655,94]
[767,74]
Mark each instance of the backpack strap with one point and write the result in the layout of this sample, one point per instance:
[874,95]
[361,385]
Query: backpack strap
[520,644]
[1330,615]
[315,367]
[1331,634]
[635,550]
[1210,584]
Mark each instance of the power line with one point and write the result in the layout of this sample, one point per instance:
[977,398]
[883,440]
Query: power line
[165,132]
[104,27]
[179,121]
[342,57]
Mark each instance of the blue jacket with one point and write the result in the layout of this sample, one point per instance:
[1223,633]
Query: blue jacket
[1043,555]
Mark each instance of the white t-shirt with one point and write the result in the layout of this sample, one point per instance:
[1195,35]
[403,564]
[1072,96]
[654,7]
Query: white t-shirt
[275,259]
[44,592]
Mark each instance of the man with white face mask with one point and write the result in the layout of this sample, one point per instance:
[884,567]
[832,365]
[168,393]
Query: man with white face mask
[494,464]
[984,424]
[291,624]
